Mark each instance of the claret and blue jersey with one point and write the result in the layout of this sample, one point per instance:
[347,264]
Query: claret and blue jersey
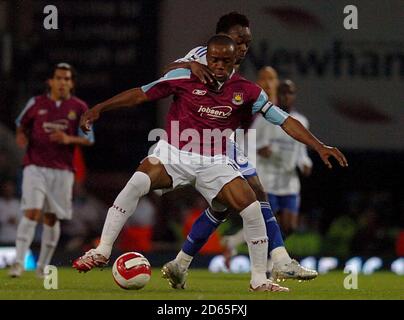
[196,107]
[42,116]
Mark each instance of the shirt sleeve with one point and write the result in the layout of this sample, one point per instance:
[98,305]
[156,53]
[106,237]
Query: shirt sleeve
[195,54]
[165,86]
[89,136]
[271,112]
[26,114]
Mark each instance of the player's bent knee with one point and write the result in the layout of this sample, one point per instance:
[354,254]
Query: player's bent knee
[137,186]
[157,173]
[243,202]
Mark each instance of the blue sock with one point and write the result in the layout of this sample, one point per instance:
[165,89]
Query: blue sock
[273,231]
[201,230]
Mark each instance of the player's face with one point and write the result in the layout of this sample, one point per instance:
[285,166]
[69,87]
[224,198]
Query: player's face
[61,84]
[242,37]
[221,59]
[268,80]
[287,96]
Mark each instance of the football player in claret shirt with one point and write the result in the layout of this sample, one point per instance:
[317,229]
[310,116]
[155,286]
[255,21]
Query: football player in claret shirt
[197,108]
[237,27]
[48,127]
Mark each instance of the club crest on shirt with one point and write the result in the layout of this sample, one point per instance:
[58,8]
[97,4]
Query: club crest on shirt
[72,115]
[238,98]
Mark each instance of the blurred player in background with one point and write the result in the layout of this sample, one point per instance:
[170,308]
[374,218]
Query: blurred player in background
[221,183]
[48,128]
[268,80]
[237,27]
[279,156]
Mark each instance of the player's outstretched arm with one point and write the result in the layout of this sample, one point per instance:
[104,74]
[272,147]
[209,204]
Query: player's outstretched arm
[128,98]
[297,131]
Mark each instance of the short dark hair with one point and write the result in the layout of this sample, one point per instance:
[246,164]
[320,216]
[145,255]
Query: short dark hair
[230,20]
[63,66]
[222,40]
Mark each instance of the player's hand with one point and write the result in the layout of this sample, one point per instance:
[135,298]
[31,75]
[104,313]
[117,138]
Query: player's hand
[59,137]
[202,72]
[21,140]
[88,118]
[326,152]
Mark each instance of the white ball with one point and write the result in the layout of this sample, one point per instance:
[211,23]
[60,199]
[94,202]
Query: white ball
[131,271]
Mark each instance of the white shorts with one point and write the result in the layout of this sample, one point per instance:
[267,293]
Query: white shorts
[207,174]
[49,190]
[237,155]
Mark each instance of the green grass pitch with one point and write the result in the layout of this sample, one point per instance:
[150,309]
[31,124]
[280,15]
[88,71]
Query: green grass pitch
[202,285]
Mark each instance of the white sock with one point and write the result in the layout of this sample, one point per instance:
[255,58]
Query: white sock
[184,260]
[25,235]
[124,206]
[49,242]
[280,256]
[255,234]
[236,239]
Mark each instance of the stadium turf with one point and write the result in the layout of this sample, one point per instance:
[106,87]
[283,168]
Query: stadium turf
[202,285]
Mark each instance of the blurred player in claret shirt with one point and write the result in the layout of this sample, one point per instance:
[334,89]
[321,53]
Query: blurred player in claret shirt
[48,128]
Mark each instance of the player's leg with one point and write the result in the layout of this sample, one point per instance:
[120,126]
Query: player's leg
[277,251]
[32,201]
[49,241]
[175,271]
[150,175]
[291,270]
[288,213]
[25,235]
[57,206]
[209,220]
[201,230]
[238,195]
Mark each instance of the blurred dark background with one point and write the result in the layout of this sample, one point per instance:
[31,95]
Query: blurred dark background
[119,44]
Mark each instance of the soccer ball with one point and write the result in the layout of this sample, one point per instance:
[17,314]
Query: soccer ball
[131,271]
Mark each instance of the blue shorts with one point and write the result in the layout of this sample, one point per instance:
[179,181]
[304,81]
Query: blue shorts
[245,167]
[290,202]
